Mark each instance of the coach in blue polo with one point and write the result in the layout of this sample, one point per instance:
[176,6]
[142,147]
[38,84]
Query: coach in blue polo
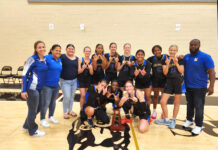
[198,65]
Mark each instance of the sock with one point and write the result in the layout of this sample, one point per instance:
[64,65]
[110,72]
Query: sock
[154,110]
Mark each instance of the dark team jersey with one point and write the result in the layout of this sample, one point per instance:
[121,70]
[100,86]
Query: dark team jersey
[173,71]
[99,69]
[146,65]
[124,73]
[111,68]
[111,98]
[93,98]
[85,75]
[157,70]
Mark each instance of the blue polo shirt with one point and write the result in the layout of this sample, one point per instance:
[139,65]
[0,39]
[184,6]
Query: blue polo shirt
[54,71]
[196,67]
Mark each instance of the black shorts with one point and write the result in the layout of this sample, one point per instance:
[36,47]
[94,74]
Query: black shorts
[101,115]
[84,84]
[140,85]
[141,115]
[110,77]
[174,86]
[158,82]
[96,78]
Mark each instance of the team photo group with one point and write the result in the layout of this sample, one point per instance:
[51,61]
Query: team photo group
[127,81]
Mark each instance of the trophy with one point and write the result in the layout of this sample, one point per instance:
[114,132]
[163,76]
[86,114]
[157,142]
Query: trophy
[116,121]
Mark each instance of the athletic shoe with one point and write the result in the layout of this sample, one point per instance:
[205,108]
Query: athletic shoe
[24,129]
[53,120]
[44,123]
[162,122]
[126,120]
[196,130]
[154,115]
[172,125]
[38,133]
[90,122]
[187,124]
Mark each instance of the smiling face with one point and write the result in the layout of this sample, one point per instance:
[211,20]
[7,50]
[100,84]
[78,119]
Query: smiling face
[87,52]
[40,49]
[172,51]
[70,51]
[114,86]
[129,87]
[102,84]
[127,49]
[56,52]
[113,48]
[140,56]
[99,49]
[157,52]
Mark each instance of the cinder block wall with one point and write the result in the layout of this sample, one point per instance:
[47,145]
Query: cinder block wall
[141,24]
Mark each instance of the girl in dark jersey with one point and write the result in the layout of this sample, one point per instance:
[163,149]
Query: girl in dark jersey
[95,104]
[173,69]
[158,78]
[135,101]
[85,71]
[140,72]
[99,63]
[114,94]
[112,63]
[125,63]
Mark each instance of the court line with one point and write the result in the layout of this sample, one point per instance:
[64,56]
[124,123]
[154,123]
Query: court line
[134,137]
[208,116]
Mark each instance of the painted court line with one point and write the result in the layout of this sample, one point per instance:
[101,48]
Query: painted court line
[208,116]
[134,137]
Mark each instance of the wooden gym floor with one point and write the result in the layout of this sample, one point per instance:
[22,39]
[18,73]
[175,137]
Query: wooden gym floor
[12,115]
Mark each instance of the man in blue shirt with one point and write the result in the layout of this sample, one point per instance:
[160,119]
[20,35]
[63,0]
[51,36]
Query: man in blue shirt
[198,65]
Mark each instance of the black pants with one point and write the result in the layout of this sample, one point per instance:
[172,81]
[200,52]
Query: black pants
[195,104]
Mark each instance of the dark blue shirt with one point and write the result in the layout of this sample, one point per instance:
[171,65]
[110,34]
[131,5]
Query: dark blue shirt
[69,68]
[196,68]
[54,71]
[34,73]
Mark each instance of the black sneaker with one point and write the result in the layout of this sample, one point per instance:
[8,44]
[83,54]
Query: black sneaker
[90,122]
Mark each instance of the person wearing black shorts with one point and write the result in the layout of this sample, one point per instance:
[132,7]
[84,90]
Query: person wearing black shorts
[158,78]
[112,63]
[124,66]
[135,102]
[85,71]
[140,72]
[95,104]
[173,68]
[99,63]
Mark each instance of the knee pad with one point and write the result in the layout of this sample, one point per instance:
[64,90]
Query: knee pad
[144,109]
[127,106]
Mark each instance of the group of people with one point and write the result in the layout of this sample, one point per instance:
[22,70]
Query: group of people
[104,77]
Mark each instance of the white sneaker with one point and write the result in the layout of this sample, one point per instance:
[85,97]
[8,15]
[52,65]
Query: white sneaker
[44,123]
[38,133]
[53,120]
[24,129]
[196,130]
[187,124]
